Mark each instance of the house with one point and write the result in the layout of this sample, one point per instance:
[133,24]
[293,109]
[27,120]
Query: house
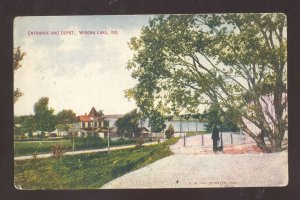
[112,119]
[144,132]
[113,132]
[88,125]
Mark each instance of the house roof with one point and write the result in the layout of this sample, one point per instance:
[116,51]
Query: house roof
[90,117]
[93,113]
[84,118]
[143,130]
[114,116]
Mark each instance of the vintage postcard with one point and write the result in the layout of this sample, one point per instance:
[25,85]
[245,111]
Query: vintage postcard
[150,101]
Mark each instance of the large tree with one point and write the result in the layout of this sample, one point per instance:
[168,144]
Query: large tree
[18,57]
[128,125]
[156,122]
[236,62]
[214,117]
[44,117]
[64,118]
[25,124]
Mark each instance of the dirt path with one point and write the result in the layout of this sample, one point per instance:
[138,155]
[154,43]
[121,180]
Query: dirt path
[194,166]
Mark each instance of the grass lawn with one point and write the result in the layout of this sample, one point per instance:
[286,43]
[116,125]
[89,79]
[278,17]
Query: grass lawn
[28,148]
[40,147]
[85,171]
[195,133]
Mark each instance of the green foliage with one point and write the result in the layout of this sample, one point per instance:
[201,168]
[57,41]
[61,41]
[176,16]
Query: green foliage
[183,62]
[44,117]
[188,134]
[90,142]
[128,125]
[86,171]
[18,57]
[26,124]
[221,119]
[63,120]
[156,122]
[40,147]
[170,131]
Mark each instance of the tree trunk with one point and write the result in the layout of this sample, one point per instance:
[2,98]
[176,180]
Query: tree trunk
[262,145]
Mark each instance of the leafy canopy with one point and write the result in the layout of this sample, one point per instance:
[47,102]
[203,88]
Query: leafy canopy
[184,63]
[43,115]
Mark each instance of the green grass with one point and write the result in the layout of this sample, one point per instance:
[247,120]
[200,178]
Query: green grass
[195,133]
[86,171]
[28,148]
[40,147]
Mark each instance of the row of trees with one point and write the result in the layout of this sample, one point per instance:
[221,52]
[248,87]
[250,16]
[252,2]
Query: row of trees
[231,62]
[44,119]
[131,123]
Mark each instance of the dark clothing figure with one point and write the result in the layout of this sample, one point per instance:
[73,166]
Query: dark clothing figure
[215,137]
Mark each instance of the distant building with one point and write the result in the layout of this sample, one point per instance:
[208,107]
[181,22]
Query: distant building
[112,119]
[88,125]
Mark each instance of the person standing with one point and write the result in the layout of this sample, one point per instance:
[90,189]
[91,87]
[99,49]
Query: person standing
[215,137]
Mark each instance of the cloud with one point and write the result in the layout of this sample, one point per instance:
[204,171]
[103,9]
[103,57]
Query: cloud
[71,42]
[76,72]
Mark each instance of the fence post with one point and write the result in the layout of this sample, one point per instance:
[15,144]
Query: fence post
[202,139]
[231,139]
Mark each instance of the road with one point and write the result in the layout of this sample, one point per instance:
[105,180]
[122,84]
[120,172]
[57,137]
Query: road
[187,169]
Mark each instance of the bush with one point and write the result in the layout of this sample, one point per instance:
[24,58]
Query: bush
[58,150]
[90,142]
[170,131]
[121,140]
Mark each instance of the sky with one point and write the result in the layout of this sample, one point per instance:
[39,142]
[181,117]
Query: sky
[76,71]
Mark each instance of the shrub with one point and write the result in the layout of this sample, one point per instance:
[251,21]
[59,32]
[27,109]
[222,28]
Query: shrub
[90,142]
[121,140]
[58,150]
[170,131]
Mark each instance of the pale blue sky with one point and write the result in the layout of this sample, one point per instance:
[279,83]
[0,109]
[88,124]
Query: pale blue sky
[76,72]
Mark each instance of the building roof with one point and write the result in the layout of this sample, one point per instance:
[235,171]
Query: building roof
[113,116]
[84,118]
[93,113]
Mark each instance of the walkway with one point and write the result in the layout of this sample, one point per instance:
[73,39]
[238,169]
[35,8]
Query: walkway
[83,151]
[194,166]
[194,145]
